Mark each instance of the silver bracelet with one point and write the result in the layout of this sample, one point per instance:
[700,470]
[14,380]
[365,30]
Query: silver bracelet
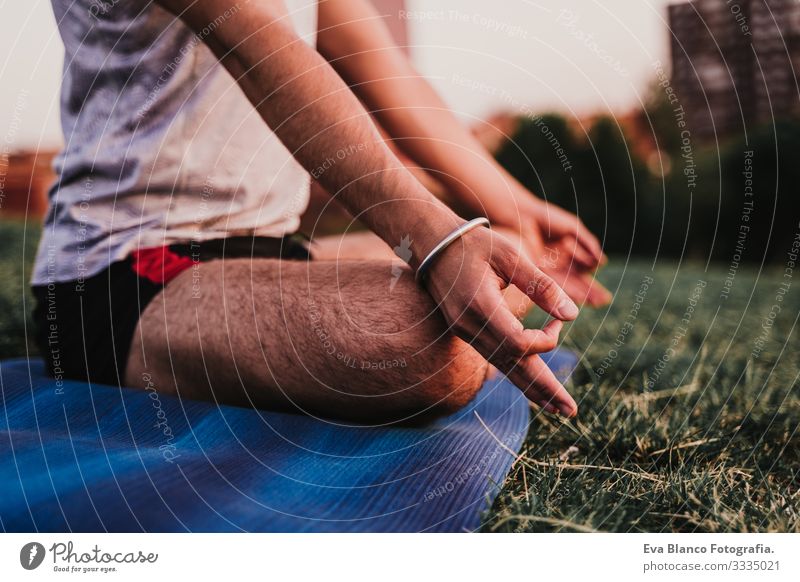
[447,241]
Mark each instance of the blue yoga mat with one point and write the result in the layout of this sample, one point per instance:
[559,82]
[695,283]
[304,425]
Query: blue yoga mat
[75,457]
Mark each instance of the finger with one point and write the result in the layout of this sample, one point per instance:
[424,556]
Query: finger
[529,373]
[540,288]
[541,387]
[589,242]
[582,288]
[527,341]
[509,336]
[581,257]
[597,295]
[516,301]
[551,408]
[576,288]
[564,223]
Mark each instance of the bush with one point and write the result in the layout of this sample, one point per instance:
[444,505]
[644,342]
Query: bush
[705,215]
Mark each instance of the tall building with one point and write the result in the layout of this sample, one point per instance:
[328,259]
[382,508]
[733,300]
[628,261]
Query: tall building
[735,63]
[776,39]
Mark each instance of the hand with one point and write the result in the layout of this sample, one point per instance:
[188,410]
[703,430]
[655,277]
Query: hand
[569,253]
[466,280]
[562,229]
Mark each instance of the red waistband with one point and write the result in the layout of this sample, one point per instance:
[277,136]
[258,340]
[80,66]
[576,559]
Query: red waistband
[159,264]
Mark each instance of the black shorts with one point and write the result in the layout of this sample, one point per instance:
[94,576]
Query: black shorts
[84,329]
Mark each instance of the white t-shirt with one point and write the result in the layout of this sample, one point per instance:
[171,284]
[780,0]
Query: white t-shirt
[161,145]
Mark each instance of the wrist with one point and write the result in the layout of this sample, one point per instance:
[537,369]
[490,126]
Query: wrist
[412,226]
[514,209]
[429,230]
[451,238]
[519,215]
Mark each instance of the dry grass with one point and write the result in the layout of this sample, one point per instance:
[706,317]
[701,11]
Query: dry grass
[708,444]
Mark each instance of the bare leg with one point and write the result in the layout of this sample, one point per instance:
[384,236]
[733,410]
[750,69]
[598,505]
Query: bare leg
[353,246]
[326,337]
[367,245]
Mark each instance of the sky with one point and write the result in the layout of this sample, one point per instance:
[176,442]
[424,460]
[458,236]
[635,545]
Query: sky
[573,56]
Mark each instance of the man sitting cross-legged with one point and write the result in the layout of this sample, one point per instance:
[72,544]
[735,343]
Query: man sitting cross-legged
[167,260]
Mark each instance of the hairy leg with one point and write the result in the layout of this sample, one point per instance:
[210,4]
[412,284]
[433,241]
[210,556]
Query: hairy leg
[367,245]
[353,246]
[330,338]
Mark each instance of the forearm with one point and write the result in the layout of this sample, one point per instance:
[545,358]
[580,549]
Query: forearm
[320,121]
[358,45]
[434,138]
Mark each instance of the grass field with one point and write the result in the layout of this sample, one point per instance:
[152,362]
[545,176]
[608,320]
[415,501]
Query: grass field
[689,403]
[688,421]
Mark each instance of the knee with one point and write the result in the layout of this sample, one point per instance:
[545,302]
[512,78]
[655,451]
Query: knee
[458,377]
[445,373]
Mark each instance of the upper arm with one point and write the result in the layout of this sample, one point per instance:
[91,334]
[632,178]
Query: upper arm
[225,24]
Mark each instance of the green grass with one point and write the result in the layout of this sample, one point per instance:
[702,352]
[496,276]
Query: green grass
[708,444]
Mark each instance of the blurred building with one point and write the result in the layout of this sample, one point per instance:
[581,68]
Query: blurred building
[25,178]
[734,63]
